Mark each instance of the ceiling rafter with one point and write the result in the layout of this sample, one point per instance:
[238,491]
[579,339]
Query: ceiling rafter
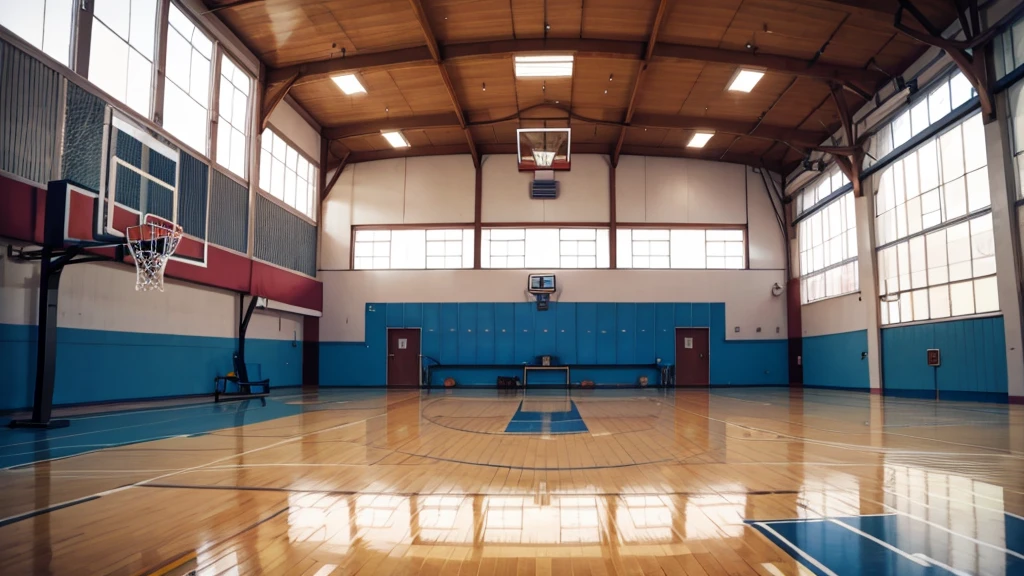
[435,53]
[644,63]
[579,148]
[793,137]
[418,56]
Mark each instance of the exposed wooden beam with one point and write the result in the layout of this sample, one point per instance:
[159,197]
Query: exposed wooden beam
[273,94]
[868,7]
[580,148]
[318,69]
[851,162]
[218,5]
[444,120]
[435,53]
[797,138]
[785,64]
[421,55]
[648,54]
[334,178]
[428,34]
[969,55]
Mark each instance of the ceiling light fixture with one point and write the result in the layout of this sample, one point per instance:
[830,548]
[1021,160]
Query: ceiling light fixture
[744,79]
[349,84]
[700,139]
[396,139]
[551,66]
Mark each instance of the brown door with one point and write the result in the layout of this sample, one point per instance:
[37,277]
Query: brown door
[403,357]
[693,365]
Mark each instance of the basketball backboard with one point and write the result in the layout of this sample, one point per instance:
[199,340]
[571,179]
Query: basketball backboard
[543,148]
[141,173]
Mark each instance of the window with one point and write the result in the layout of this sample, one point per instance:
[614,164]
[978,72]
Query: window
[413,249]
[937,255]
[819,189]
[45,24]
[121,54]
[1009,49]
[680,248]
[544,248]
[233,117]
[828,251]
[187,91]
[944,97]
[287,175]
[941,180]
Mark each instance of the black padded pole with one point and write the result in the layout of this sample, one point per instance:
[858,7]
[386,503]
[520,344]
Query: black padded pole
[46,345]
[243,326]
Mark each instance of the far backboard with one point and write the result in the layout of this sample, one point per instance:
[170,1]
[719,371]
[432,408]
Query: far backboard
[543,148]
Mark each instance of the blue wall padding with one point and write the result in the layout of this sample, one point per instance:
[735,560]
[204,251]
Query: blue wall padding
[836,360]
[104,366]
[601,335]
[973,358]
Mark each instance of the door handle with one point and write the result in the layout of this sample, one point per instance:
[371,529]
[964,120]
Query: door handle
[391,355]
[702,355]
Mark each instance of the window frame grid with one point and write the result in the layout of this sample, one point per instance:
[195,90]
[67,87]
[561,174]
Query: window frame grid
[884,155]
[216,116]
[314,181]
[487,243]
[705,228]
[466,240]
[212,103]
[883,312]
[893,246]
[940,188]
[153,59]
[806,224]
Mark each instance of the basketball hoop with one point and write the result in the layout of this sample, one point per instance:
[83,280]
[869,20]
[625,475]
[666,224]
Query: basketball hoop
[151,244]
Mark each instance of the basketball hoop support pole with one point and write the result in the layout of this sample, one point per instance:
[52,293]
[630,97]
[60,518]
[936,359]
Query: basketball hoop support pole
[243,327]
[53,263]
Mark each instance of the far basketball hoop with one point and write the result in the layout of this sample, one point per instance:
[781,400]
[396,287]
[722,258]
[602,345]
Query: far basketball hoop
[151,244]
[543,148]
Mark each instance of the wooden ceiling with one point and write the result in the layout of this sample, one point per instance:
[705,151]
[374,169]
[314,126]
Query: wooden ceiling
[647,73]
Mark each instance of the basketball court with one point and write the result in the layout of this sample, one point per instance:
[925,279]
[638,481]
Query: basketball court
[324,287]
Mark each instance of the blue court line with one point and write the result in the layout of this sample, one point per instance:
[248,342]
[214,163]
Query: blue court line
[21,446]
[894,544]
[567,422]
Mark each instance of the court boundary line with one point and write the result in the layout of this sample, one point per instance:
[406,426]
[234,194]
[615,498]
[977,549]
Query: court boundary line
[801,553]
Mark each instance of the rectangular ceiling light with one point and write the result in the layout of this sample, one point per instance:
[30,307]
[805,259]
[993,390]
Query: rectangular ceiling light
[700,139]
[744,79]
[349,84]
[551,66]
[395,139]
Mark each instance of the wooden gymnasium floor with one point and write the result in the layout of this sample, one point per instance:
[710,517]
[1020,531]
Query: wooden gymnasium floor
[342,481]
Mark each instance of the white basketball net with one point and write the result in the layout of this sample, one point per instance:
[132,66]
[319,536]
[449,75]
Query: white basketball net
[543,158]
[151,244]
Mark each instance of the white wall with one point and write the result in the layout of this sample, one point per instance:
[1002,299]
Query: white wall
[746,293]
[103,297]
[766,243]
[288,122]
[680,191]
[833,316]
[582,192]
[434,189]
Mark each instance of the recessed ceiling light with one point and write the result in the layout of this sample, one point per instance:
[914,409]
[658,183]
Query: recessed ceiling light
[349,84]
[395,139]
[744,79]
[550,66]
[700,139]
